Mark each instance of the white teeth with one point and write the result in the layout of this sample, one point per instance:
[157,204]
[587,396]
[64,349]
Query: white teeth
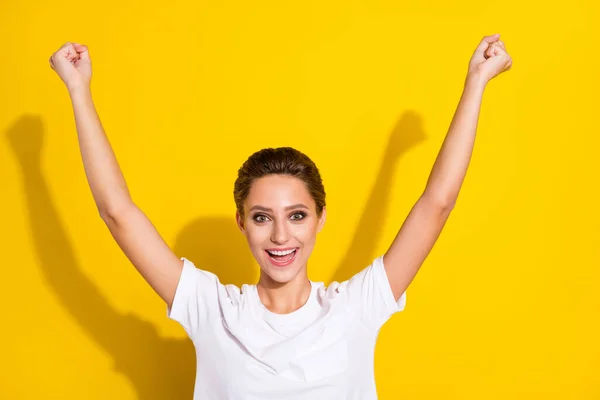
[281,253]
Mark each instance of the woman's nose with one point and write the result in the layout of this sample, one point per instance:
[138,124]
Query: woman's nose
[279,234]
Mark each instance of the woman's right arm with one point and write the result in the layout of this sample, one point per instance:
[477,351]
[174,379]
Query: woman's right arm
[132,230]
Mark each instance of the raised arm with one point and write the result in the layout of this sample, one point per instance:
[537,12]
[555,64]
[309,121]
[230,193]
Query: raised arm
[130,227]
[428,216]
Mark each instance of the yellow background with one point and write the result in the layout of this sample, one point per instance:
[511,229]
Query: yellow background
[507,304]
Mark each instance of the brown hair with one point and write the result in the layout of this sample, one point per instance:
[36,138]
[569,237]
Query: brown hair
[279,161]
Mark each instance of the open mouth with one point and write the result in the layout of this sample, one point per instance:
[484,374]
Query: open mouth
[282,258]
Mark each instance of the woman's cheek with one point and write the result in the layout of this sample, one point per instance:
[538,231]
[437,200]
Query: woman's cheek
[303,233]
[258,235]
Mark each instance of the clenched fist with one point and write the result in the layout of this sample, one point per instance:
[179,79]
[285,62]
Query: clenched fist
[73,65]
[490,58]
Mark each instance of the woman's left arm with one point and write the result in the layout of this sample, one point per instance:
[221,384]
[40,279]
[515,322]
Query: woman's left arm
[428,216]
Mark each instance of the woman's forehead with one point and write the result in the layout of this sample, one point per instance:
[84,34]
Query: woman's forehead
[278,191]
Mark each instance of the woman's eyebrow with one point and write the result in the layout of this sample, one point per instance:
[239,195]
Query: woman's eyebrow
[265,209]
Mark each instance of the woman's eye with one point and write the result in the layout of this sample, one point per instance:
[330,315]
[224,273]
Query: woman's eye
[298,216]
[260,218]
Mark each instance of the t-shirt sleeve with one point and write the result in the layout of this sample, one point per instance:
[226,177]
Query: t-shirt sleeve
[196,298]
[370,293]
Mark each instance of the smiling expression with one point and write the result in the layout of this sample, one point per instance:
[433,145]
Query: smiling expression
[280,223]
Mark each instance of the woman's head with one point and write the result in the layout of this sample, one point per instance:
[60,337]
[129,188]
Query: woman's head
[280,201]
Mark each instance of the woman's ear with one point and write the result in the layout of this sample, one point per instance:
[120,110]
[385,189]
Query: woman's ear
[240,221]
[322,219]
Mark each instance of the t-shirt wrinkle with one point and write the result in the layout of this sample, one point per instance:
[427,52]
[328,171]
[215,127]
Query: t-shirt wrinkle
[323,350]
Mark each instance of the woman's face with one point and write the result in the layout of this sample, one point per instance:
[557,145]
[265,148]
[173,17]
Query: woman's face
[281,224]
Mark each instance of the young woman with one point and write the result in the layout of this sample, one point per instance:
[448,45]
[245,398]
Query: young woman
[284,337]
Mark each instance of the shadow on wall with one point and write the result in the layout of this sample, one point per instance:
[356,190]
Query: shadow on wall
[158,367]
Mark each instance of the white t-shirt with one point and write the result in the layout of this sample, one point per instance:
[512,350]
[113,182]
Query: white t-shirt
[323,350]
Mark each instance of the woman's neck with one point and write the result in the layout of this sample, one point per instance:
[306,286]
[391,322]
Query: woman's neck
[284,298]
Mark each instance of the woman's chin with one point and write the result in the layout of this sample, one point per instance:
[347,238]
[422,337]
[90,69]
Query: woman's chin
[281,274]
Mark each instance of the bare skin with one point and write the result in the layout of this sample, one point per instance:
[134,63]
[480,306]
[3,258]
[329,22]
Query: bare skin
[279,213]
